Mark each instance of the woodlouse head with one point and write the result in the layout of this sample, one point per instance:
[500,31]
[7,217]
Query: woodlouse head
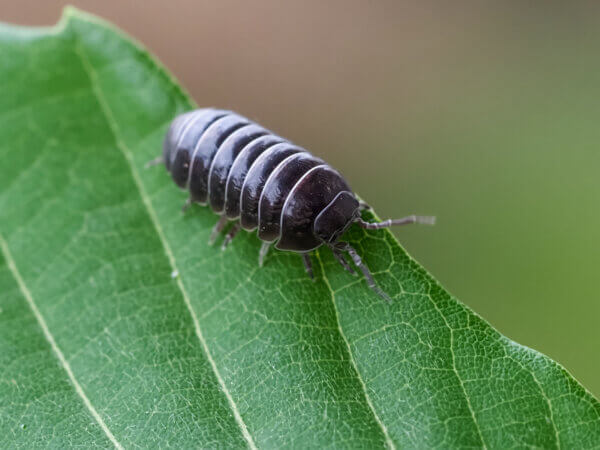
[336,217]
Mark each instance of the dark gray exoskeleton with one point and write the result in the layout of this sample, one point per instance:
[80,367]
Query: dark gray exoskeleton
[249,175]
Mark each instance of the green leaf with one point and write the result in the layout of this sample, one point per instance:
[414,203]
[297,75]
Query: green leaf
[101,346]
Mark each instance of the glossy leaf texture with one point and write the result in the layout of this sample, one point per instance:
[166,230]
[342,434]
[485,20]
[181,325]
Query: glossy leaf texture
[120,326]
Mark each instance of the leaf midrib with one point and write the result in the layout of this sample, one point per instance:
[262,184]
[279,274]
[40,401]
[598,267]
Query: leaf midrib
[112,125]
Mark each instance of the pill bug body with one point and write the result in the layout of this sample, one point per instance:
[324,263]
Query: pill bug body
[263,182]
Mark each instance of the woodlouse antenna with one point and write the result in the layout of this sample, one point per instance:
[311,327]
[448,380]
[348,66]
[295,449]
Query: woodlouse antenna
[424,220]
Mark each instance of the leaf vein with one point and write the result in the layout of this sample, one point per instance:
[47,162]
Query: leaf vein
[50,338]
[388,439]
[455,370]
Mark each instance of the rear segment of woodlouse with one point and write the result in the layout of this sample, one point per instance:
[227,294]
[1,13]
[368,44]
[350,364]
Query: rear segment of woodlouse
[262,181]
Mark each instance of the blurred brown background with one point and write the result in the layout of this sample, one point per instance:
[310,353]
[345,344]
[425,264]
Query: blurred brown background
[485,114]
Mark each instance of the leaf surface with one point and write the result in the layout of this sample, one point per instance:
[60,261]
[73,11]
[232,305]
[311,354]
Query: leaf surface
[100,345]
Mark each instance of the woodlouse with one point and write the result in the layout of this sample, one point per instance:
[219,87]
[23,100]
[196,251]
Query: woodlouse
[262,181]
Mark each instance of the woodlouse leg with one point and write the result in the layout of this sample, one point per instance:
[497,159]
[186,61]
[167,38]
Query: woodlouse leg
[308,265]
[186,205]
[264,249]
[232,232]
[217,229]
[340,257]
[364,206]
[425,220]
[154,162]
[364,269]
